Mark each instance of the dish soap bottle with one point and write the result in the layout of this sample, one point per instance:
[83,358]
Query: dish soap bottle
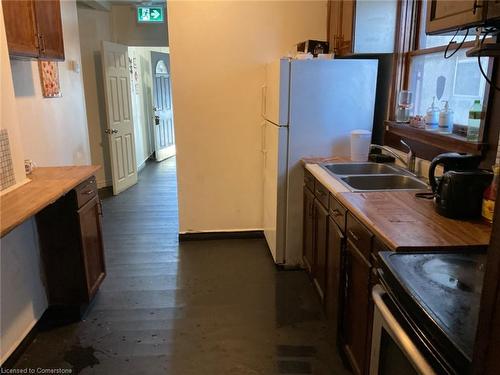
[446,119]
[490,195]
[432,116]
[475,115]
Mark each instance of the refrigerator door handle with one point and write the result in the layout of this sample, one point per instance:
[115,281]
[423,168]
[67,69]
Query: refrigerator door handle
[263,137]
[263,144]
[263,100]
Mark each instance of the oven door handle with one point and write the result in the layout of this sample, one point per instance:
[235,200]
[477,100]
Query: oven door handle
[399,335]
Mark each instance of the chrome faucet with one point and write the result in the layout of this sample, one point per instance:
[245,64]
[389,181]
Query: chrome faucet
[409,162]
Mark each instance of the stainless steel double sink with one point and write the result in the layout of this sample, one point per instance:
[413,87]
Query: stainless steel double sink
[365,177]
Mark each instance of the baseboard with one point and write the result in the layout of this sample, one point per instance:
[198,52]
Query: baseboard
[142,165]
[104,183]
[200,236]
[20,348]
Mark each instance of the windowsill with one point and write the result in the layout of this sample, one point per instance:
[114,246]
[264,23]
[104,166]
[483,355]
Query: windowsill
[449,142]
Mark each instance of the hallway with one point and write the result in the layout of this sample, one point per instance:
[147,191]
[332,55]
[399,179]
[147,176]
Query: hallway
[198,307]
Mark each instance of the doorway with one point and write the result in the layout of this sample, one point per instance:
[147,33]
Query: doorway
[163,124]
[118,83]
[152,103]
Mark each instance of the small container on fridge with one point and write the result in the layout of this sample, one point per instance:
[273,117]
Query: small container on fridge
[360,144]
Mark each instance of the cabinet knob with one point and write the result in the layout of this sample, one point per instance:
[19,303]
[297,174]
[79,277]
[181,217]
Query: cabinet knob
[111,131]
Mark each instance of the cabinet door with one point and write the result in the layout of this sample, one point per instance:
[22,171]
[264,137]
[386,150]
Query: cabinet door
[493,10]
[308,230]
[340,26]
[334,24]
[334,279]
[356,318]
[448,15]
[321,241]
[92,245]
[20,28]
[48,19]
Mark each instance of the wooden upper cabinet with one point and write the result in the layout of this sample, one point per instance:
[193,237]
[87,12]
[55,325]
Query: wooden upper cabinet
[34,29]
[362,26]
[493,10]
[20,28]
[449,15]
[48,19]
[346,27]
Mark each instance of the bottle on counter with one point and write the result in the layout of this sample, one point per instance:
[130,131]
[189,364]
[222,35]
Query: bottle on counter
[432,116]
[475,115]
[446,119]
[490,195]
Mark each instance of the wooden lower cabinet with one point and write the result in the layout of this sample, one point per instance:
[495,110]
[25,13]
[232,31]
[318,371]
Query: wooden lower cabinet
[308,231]
[72,251]
[89,217]
[321,219]
[356,319]
[340,256]
[334,278]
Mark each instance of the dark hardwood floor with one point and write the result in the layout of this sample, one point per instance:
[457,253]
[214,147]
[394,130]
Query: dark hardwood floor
[199,307]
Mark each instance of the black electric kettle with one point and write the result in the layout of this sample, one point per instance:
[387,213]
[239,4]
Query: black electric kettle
[458,193]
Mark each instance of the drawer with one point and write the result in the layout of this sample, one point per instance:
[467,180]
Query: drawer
[86,191]
[308,180]
[338,212]
[321,193]
[359,235]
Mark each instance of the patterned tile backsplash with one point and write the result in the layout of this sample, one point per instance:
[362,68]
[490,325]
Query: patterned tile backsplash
[7,177]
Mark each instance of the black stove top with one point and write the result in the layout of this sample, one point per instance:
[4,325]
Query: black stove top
[442,292]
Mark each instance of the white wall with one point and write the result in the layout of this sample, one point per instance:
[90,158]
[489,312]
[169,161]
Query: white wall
[8,112]
[54,132]
[218,51]
[142,101]
[23,297]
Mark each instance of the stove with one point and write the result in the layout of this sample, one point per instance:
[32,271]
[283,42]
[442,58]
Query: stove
[439,296]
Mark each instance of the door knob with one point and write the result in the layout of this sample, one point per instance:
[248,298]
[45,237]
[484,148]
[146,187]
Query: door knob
[111,131]
[157,120]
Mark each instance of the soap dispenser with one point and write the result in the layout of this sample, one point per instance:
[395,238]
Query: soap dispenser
[446,119]
[432,116]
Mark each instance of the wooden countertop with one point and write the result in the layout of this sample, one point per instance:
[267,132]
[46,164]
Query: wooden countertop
[46,186]
[406,223]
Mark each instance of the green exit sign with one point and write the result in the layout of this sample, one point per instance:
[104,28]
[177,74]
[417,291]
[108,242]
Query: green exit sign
[150,14]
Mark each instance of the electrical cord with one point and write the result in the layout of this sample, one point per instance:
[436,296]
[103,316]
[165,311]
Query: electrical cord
[490,82]
[446,56]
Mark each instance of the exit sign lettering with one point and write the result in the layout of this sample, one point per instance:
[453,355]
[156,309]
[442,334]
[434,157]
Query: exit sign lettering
[150,14]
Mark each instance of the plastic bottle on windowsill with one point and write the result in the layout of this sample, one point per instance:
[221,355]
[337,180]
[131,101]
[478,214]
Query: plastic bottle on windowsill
[490,195]
[475,115]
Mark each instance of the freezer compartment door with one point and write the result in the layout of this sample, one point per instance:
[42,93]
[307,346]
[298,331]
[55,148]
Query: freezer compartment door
[275,177]
[276,92]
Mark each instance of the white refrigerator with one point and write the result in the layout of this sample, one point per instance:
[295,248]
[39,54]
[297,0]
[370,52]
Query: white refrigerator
[309,108]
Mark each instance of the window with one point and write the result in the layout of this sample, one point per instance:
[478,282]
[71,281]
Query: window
[457,79]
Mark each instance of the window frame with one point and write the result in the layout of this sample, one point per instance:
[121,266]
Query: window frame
[409,23]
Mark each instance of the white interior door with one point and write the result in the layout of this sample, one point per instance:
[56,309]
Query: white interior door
[162,102]
[120,125]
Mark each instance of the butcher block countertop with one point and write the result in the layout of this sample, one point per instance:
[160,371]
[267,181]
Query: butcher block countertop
[46,186]
[402,221]
[405,223]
